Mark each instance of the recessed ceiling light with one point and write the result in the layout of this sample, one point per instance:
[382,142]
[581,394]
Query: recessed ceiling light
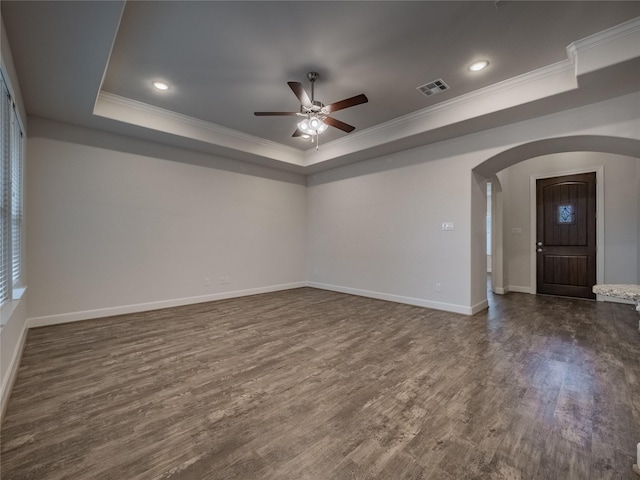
[477,66]
[161,85]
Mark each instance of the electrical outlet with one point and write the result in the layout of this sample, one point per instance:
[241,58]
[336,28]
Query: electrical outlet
[438,287]
[448,226]
[207,282]
[225,280]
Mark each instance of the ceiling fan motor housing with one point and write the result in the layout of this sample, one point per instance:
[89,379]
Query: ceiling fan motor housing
[315,107]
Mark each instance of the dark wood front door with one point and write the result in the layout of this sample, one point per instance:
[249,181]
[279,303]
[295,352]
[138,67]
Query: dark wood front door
[566,235]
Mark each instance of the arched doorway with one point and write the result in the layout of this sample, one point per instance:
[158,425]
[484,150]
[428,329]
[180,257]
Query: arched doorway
[487,170]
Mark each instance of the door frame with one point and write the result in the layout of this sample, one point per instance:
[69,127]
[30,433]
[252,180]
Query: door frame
[499,284]
[599,171]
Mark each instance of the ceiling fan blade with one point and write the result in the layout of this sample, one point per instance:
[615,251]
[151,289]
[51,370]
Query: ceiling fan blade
[275,114]
[345,127]
[349,102]
[300,92]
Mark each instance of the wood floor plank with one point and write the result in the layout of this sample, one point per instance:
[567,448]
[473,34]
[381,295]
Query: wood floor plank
[315,385]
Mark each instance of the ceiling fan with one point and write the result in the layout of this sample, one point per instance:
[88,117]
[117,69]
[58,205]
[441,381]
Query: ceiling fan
[316,115]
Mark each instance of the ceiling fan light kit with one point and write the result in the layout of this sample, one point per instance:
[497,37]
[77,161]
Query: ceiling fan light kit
[315,114]
[313,125]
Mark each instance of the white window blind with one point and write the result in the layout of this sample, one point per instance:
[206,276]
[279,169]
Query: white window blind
[11,171]
[16,199]
[5,188]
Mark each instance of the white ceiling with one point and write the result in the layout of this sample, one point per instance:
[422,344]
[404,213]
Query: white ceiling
[225,60]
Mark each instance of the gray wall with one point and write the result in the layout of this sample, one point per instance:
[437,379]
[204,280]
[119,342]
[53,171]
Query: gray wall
[117,224]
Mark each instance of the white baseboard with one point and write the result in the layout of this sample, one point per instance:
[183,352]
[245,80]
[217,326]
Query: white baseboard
[479,307]
[419,302]
[518,289]
[12,372]
[47,320]
[501,290]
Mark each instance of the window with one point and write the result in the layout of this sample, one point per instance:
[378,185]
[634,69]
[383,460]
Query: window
[565,214]
[11,167]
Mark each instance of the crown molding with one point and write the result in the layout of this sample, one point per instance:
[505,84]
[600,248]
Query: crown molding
[306,157]
[568,66]
[407,123]
[188,120]
[557,78]
[214,133]
[500,87]
[609,35]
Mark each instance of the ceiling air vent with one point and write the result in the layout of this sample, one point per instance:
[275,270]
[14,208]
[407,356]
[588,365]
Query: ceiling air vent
[434,87]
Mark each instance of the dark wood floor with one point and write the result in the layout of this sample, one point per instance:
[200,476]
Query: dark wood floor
[310,384]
